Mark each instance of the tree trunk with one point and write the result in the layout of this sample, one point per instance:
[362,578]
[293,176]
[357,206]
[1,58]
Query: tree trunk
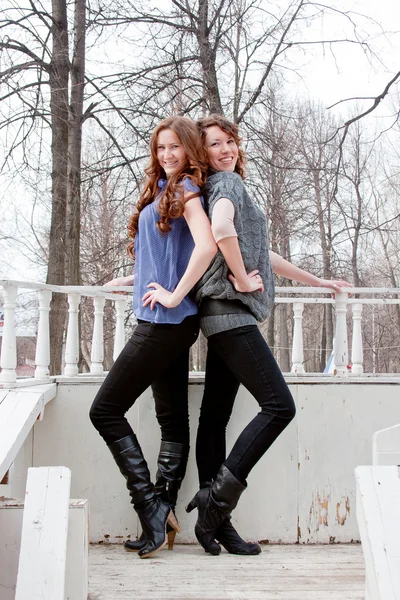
[325,237]
[59,118]
[73,218]
[207,60]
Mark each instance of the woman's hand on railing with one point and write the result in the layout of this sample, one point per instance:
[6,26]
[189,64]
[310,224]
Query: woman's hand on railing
[122,281]
[336,284]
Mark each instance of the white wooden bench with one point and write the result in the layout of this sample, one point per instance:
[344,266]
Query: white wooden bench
[378,516]
[45,558]
[19,409]
[386,446]
[51,555]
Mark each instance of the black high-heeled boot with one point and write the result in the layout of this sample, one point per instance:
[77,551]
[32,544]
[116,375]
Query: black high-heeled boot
[233,543]
[152,511]
[172,462]
[215,505]
[230,539]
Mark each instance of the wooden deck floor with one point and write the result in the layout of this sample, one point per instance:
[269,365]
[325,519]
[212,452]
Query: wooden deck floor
[333,572]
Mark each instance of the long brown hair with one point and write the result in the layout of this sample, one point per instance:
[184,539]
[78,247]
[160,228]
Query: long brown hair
[172,201]
[229,128]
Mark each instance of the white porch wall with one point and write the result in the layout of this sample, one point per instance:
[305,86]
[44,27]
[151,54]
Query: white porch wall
[302,490]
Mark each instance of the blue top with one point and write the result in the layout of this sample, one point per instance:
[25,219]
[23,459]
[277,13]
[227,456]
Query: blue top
[162,258]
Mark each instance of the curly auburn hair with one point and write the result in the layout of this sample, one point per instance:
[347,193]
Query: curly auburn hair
[172,201]
[231,129]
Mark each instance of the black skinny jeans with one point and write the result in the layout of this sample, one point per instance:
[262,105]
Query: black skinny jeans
[156,355]
[240,356]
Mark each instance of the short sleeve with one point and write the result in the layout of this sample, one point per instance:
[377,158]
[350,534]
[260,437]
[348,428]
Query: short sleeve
[189,186]
[225,185]
[222,224]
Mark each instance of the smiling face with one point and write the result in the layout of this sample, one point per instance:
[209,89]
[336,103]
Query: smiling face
[170,152]
[222,150]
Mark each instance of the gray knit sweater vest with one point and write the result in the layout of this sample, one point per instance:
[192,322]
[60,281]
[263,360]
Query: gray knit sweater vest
[251,227]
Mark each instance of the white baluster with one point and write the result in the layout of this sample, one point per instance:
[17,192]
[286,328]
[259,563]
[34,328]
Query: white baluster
[341,347]
[9,348]
[72,344]
[297,348]
[357,345]
[42,358]
[97,355]
[119,340]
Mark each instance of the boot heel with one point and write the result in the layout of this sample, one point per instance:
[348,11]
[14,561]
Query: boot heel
[192,504]
[171,539]
[172,521]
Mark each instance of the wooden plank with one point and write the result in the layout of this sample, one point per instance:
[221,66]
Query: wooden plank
[19,410]
[3,395]
[77,566]
[42,560]
[378,515]
[76,573]
[188,573]
[386,446]
[18,413]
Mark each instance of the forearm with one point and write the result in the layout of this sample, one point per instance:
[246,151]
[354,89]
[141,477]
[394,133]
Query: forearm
[285,269]
[197,266]
[123,281]
[233,257]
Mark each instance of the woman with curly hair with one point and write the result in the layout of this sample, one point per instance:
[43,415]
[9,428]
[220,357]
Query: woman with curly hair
[236,291]
[172,246]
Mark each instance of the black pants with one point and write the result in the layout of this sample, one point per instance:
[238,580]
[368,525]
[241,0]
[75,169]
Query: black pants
[240,356]
[156,355]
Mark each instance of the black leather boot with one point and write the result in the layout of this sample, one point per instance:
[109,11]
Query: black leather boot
[152,511]
[233,543]
[230,539]
[172,462]
[215,505]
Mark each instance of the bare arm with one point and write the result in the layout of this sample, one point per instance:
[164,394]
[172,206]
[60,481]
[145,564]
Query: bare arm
[284,268]
[128,280]
[226,237]
[204,251]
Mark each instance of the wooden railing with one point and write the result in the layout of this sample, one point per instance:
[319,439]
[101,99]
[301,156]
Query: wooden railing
[289,295]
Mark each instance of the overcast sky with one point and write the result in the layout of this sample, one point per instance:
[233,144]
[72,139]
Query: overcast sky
[343,71]
[333,74]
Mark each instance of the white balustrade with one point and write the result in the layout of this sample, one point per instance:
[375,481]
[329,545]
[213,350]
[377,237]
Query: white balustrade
[42,357]
[341,347]
[97,355]
[297,349]
[72,343]
[356,344]
[119,339]
[304,295]
[9,349]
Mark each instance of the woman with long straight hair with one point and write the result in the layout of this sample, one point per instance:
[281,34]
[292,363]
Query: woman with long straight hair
[172,246]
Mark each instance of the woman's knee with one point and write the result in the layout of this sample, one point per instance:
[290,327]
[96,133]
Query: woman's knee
[288,406]
[283,407]
[95,415]
[101,411]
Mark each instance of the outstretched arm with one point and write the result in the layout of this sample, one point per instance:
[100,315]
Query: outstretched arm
[128,280]
[204,251]
[284,268]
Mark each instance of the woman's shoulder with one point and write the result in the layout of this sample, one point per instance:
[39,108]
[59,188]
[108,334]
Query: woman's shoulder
[189,185]
[224,180]
[225,177]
